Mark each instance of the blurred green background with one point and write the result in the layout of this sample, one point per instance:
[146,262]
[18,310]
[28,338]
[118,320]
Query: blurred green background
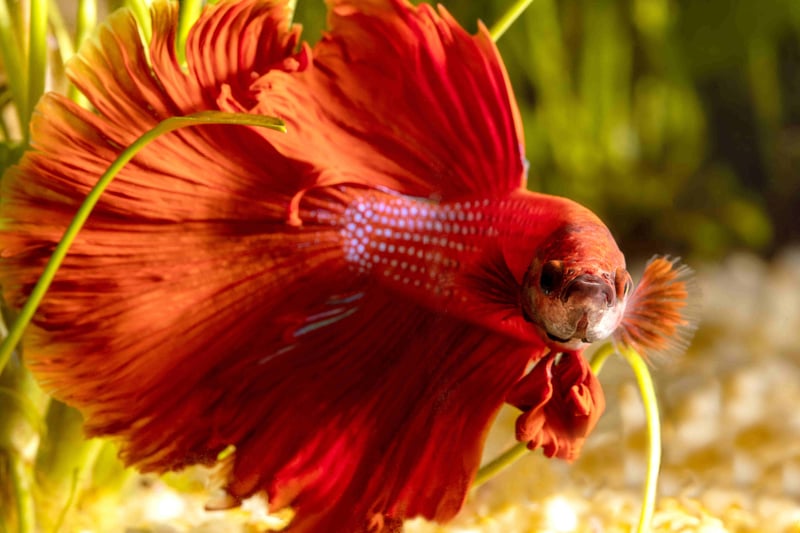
[678,122]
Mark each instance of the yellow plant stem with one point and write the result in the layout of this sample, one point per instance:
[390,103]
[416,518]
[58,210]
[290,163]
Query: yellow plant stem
[141,12]
[600,357]
[21,424]
[60,31]
[291,5]
[500,463]
[62,457]
[509,17]
[85,22]
[21,485]
[188,13]
[653,421]
[37,59]
[647,390]
[87,456]
[14,61]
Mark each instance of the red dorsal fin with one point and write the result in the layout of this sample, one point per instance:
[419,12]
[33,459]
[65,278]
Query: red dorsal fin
[416,104]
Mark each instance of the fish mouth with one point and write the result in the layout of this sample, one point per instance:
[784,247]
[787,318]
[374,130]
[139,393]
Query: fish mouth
[569,340]
[581,332]
[589,290]
[583,303]
[573,312]
[557,339]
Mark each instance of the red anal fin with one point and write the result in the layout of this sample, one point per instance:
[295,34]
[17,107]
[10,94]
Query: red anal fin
[378,415]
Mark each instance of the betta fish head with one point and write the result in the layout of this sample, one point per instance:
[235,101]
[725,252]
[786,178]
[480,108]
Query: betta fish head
[576,288]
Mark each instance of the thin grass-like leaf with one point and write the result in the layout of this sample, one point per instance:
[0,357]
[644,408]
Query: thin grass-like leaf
[60,31]
[37,59]
[88,456]
[512,14]
[188,13]
[85,23]
[648,392]
[26,406]
[14,61]
[292,6]
[22,492]
[85,20]
[499,463]
[141,12]
[6,98]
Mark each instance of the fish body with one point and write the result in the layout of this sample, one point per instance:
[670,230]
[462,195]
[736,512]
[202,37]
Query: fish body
[347,305]
[469,258]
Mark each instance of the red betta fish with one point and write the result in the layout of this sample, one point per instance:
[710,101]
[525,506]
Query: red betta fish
[347,304]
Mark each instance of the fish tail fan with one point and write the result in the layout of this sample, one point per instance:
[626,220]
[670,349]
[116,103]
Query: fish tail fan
[661,316]
[147,306]
[196,252]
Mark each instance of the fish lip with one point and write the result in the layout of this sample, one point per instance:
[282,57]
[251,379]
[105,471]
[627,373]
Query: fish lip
[578,330]
[557,339]
[569,343]
[570,340]
[595,287]
[580,333]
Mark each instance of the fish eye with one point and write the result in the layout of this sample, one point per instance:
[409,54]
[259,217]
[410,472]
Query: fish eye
[551,276]
[623,283]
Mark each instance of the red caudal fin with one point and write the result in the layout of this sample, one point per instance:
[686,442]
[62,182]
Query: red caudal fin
[660,318]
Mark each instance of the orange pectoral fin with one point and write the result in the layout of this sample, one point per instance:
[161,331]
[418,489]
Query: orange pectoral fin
[660,318]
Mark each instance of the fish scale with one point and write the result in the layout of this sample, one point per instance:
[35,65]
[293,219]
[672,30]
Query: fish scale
[413,242]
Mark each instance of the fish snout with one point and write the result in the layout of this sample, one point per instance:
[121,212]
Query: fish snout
[589,289]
